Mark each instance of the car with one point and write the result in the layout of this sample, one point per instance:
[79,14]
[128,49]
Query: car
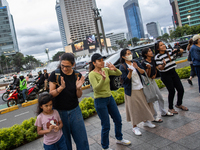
[183,41]
[7,78]
[81,64]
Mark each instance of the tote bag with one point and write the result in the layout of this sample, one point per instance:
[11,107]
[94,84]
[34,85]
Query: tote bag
[148,89]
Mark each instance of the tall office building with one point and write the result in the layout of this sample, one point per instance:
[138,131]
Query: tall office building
[8,39]
[153,29]
[78,19]
[164,30]
[61,24]
[116,37]
[186,12]
[134,19]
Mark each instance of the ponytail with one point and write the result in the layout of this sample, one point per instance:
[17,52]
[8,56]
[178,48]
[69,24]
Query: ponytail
[91,66]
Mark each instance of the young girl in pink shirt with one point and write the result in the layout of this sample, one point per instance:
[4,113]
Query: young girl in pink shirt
[49,124]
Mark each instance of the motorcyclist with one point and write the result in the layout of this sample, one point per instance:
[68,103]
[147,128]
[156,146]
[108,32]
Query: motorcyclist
[39,76]
[45,77]
[23,86]
[15,82]
[43,80]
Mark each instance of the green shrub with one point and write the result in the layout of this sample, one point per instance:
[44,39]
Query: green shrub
[183,72]
[159,83]
[18,134]
[87,107]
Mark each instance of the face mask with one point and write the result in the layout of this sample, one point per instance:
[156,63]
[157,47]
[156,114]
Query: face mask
[129,57]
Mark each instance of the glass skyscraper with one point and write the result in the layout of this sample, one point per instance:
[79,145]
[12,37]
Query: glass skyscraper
[186,12]
[8,39]
[134,19]
[61,25]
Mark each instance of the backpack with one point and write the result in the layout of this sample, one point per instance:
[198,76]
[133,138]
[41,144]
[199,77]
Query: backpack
[57,73]
[120,78]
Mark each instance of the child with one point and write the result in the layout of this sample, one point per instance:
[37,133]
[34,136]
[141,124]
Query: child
[49,124]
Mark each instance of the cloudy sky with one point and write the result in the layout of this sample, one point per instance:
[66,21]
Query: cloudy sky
[36,23]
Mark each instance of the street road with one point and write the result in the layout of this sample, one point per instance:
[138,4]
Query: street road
[17,116]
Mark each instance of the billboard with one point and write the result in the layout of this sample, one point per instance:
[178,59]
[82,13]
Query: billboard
[79,46]
[91,40]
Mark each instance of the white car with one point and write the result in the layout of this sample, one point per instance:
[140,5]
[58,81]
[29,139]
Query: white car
[7,78]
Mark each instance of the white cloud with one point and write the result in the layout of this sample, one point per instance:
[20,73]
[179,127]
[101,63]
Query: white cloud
[37,26]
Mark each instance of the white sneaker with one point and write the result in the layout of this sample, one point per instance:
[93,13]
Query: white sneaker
[136,131]
[149,124]
[123,142]
[107,149]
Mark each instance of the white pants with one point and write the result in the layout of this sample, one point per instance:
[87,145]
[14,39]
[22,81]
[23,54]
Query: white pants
[160,99]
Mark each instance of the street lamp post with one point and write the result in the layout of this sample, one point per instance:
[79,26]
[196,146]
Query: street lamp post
[47,52]
[189,19]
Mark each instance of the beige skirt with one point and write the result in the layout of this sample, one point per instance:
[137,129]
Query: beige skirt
[137,108]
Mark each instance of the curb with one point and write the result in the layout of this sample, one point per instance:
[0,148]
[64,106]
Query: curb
[85,87]
[32,102]
[9,109]
[181,61]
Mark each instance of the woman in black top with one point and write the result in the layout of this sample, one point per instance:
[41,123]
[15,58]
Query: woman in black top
[65,85]
[165,61]
[149,65]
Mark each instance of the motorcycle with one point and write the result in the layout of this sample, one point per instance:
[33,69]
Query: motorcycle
[6,94]
[16,97]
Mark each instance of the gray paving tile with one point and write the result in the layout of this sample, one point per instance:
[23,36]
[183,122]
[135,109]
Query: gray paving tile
[196,135]
[174,146]
[175,122]
[145,146]
[95,146]
[159,142]
[189,142]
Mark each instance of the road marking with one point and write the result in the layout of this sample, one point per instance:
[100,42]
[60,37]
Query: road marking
[21,114]
[3,120]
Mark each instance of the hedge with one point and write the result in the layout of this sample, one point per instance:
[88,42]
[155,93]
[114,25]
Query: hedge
[18,135]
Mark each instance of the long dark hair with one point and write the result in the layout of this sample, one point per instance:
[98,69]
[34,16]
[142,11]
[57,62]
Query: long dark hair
[123,53]
[91,66]
[144,52]
[67,56]
[157,51]
[43,99]
[157,47]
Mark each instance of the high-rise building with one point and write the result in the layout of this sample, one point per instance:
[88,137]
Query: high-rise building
[154,29]
[186,12]
[164,30]
[116,37]
[8,38]
[159,29]
[134,19]
[61,25]
[170,29]
[78,19]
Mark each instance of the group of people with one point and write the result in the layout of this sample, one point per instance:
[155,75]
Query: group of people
[21,82]
[59,115]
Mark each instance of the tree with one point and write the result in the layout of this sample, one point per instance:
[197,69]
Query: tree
[122,43]
[57,55]
[135,40]
[18,61]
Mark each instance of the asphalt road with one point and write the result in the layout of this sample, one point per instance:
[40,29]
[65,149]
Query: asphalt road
[17,116]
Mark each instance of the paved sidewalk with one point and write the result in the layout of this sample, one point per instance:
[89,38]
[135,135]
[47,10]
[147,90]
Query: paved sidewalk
[180,132]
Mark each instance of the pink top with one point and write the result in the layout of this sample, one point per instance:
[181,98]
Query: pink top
[45,121]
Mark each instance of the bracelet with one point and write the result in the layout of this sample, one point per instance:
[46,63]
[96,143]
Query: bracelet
[57,91]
